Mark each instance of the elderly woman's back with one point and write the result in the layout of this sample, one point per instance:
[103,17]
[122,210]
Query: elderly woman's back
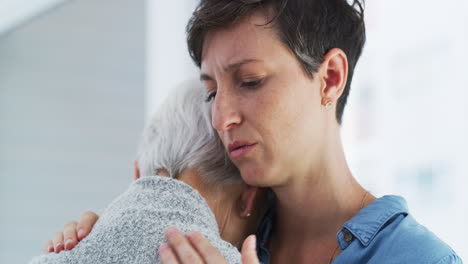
[132,227]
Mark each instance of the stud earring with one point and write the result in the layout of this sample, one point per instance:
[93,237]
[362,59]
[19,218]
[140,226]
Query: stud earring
[248,214]
[328,105]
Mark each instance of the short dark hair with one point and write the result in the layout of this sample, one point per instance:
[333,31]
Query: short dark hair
[309,28]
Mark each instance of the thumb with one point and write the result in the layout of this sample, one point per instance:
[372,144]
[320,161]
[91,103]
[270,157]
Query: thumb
[249,251]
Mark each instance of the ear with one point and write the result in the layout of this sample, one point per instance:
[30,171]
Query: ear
[136,171]
[334,74]
[248,199]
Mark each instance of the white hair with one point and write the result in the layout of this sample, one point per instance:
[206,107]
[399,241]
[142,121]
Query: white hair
[180,136]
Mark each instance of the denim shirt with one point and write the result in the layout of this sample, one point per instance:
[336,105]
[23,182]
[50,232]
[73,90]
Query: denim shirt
[382,232]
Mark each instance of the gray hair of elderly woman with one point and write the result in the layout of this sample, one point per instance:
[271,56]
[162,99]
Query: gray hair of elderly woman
[180,136]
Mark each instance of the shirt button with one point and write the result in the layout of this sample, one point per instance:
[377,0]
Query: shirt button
[348,237]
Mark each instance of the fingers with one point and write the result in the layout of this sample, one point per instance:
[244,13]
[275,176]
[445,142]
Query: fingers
[208,253]
[181,247]
[69,234]
[249,251]
[166,255]
[86,223]
[58,242]
[72,233]
[192,248]
[49,247]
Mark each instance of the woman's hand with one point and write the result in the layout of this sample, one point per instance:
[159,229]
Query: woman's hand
[249,250]
[195,248]
[72,233]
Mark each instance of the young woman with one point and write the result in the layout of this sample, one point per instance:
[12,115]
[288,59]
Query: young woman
[277,74]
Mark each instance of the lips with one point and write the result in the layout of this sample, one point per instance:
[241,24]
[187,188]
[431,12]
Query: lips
[238,149]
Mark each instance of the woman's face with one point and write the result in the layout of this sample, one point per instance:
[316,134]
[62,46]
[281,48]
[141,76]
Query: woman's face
[266,110]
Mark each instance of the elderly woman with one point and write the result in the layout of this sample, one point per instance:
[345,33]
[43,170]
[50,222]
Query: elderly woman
[202,191]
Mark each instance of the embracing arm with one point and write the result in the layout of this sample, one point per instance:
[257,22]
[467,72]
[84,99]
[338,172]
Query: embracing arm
[72,233]
[76,231]
[195,248]
[201,247]
[132,227]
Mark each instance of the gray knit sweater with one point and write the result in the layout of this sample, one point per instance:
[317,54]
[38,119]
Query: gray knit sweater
[131,229]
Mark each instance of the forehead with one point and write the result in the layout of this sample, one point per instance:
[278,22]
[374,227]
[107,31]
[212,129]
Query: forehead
[248,39]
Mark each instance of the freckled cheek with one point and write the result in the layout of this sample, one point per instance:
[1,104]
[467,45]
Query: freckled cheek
[280,108]
[265,103]
[271,121]
[282,120]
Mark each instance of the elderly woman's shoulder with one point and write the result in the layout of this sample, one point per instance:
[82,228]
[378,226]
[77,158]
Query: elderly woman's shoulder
[162,195]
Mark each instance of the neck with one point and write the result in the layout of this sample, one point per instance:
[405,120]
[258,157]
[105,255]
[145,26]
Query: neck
[315,203]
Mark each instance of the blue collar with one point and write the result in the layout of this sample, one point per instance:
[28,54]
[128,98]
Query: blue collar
[371,219]
[365,225]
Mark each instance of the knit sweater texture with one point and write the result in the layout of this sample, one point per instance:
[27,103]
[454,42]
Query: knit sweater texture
[131,229]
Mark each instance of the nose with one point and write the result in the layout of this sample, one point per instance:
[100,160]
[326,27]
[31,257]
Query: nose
[225,111]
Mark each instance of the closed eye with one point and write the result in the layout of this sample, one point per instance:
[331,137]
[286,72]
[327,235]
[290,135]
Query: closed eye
[210,97]
[251,84]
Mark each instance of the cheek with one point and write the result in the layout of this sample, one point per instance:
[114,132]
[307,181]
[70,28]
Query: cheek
[284,107]
[291,116]
[256,173]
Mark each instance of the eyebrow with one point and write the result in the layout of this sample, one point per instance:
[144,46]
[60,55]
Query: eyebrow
[229,68]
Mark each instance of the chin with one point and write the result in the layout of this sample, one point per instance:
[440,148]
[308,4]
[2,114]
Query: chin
[253,175]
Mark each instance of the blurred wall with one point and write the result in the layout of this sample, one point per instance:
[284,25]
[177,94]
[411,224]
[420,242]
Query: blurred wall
[71,113]
[168,61]
[406,122]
